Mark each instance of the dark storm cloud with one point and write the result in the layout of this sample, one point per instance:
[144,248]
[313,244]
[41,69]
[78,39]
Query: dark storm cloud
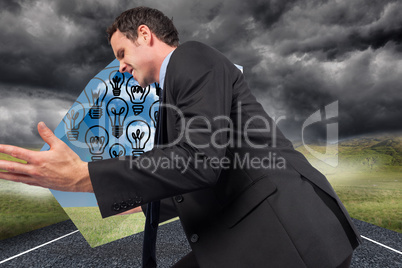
[268,12]
[298,56]
[21,109]
[319,52]
[336,27]
[11,6]
[56,45]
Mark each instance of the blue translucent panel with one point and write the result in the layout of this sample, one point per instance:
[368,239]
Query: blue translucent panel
[112,117]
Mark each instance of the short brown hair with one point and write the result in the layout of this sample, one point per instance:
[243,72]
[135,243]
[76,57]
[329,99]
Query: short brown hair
[129,21]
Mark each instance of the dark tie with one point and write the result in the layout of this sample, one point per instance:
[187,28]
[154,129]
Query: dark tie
[152,213]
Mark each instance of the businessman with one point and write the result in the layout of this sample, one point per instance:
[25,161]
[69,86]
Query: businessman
[244,196]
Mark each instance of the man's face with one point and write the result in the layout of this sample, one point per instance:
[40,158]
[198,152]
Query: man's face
[134,57]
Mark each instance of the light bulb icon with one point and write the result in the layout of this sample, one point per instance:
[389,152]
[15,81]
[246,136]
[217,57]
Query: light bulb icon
[154,113]
[116,80]
[73,119]
[138,133]
[97,139]
[96,91]
[137,95]
[117,150]
[117,110]
[157,89]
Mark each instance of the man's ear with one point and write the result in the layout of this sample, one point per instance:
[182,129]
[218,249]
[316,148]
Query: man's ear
[144,34]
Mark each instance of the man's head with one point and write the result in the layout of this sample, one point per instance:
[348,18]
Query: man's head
[141,38]
[129,21]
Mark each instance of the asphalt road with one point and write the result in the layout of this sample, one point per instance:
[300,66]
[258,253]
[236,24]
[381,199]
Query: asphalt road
[73,251]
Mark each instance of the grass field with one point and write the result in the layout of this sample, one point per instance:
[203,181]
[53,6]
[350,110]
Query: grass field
[24,208]
[372,197]
[98,231]
[368,180]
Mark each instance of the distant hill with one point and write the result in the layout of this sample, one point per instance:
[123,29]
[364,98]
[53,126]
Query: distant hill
[374,152]
[392,148]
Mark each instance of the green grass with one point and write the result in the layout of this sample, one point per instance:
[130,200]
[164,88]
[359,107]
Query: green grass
[25,208]
[368,178]
[98,231]
[372,197]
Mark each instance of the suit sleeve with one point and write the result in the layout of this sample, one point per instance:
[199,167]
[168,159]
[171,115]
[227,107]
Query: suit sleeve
[201,92]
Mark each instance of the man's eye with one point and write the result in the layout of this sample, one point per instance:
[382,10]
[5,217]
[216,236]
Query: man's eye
[120,55]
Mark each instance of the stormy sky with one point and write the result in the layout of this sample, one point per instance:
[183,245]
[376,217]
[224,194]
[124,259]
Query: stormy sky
[298,57]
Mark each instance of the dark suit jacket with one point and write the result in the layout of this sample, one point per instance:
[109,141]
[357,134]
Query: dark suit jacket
[279,212]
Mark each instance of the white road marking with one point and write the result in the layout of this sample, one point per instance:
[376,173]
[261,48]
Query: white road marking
[371,240]
[29,250]
[3,261]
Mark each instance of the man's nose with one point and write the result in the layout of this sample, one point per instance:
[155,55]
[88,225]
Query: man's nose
[123,67]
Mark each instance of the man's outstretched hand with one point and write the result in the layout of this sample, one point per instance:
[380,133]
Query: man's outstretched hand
[59,168]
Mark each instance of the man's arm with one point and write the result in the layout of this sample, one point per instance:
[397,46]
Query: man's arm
[59,168]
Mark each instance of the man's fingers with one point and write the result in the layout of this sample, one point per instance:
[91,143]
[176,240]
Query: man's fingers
[34,184]
[9,176]
[46,134]
[18,152]
[15,167]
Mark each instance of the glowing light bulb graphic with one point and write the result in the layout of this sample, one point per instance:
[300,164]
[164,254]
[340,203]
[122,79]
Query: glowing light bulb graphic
[116,80]
[138,133]
[154,113]
[97,139]
[117,150]
[137,95]
[73,119]
[117,110]
[96,91]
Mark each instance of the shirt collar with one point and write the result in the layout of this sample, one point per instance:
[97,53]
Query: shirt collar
[162,72]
